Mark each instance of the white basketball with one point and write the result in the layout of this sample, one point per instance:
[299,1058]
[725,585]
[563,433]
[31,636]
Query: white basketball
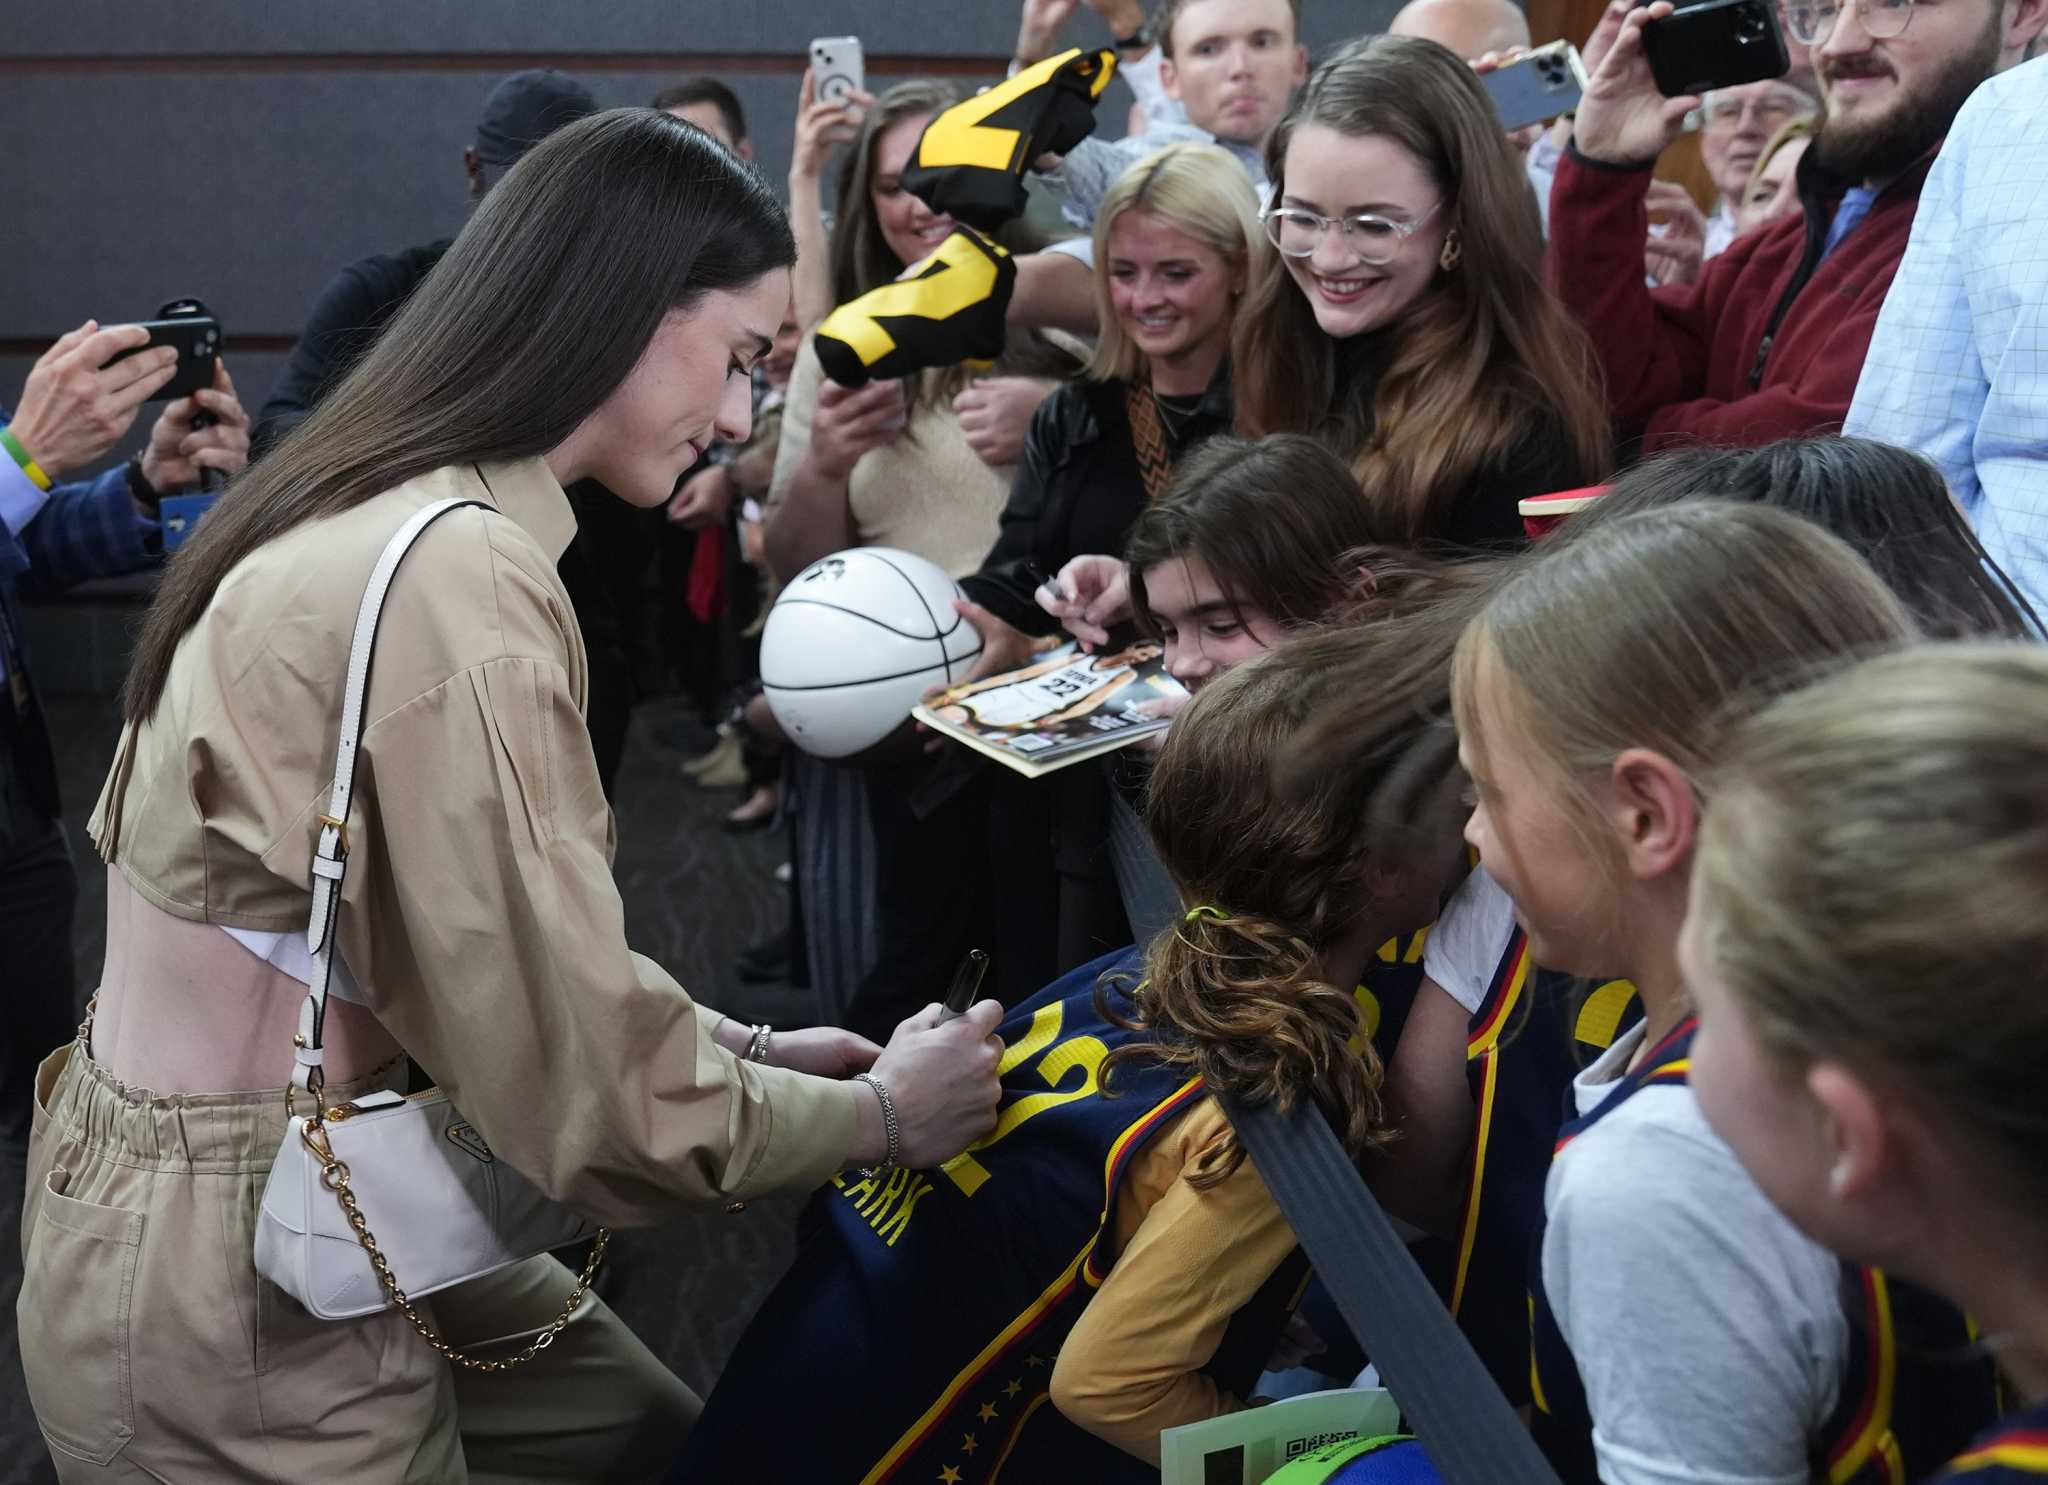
[853,642]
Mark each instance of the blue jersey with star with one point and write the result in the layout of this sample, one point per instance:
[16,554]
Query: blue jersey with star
[913,1339]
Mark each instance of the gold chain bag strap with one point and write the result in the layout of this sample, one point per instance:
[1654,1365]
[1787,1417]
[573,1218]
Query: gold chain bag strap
[449,1210]
[1148,438]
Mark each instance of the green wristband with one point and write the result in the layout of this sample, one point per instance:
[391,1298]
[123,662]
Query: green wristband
[22,457]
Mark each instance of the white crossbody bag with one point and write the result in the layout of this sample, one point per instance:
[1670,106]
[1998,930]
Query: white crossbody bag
[445,1208]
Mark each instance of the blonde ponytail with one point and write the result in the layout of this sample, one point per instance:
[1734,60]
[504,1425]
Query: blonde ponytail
[1870,885]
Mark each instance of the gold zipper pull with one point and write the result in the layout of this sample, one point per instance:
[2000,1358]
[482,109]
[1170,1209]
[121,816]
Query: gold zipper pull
[341,1111]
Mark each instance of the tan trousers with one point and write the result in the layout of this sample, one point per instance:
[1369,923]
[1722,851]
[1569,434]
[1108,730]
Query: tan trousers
[155,1352]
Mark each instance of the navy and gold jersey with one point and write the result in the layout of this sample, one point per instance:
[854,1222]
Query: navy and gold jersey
[1910,1394]
[1527,1041]
[914,1337]
[2015,1451]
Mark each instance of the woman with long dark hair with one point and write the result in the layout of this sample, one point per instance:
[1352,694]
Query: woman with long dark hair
[596,318]
[1404,319]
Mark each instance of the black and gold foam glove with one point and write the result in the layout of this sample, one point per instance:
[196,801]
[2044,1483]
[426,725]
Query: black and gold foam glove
[947,309]
[971,161]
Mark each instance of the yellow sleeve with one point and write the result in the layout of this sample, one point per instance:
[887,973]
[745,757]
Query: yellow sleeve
[1130,1367]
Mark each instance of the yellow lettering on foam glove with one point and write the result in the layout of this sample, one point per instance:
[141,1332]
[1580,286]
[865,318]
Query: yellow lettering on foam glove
[963,135]
[963,271]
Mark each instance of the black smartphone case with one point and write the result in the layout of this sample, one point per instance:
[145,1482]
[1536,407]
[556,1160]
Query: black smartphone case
[1718,44]
[191,327]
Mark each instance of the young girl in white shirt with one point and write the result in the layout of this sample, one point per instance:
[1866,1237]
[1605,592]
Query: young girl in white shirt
[1684,1331]
[1876,842]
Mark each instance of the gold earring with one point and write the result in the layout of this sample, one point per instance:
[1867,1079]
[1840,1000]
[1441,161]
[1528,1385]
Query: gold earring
[1453,251]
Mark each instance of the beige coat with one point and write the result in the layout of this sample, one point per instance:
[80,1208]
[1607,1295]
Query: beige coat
[480,916]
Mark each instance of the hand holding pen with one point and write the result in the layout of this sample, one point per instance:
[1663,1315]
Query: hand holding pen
[966,985]
[1088,596]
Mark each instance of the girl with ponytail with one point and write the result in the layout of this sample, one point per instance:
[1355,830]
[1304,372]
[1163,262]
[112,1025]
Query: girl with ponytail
[1682,1329]
[1107,1247]
[1864,945]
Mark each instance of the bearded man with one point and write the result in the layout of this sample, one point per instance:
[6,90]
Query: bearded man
[1770,340]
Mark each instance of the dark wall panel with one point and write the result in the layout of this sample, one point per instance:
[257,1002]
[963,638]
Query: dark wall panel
[412,27]
[301,173]
[119,27]
[244,152]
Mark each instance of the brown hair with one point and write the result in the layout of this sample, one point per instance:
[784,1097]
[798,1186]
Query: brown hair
[1662,628]
[1281,873]
[526,325]
[862,259]
[1415,607]
[1889,504]
[1169,17]
[1869,885]
[1271,519]
[1488,359]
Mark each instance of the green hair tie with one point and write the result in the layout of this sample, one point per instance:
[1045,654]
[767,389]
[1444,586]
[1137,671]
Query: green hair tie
[1206,911]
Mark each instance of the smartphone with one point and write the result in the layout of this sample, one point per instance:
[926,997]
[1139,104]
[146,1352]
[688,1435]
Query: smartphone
[1539,85]
[191,328]
[1718,44]
[837,67]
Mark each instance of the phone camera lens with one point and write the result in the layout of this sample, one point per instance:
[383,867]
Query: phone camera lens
[1750,29]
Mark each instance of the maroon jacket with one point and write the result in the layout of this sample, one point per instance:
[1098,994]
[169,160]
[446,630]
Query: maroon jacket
[1770,340]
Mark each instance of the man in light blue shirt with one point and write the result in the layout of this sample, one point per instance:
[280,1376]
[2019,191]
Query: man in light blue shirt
[1958,367]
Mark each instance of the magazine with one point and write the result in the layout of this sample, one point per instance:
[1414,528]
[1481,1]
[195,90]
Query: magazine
[1063,707]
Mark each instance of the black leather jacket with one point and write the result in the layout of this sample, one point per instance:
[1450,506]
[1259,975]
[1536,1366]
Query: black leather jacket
[1077,491]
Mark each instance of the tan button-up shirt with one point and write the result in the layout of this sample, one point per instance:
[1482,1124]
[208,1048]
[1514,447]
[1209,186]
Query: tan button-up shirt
[479,915]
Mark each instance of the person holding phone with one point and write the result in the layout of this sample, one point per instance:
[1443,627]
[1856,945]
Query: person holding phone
[1770,340]
[487,940]
[56,530]
[1403,319]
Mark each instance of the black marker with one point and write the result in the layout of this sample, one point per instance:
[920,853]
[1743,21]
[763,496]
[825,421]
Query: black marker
[966,985]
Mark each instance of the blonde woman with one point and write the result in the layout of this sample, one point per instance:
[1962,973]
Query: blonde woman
[1772,190]
[1871,837]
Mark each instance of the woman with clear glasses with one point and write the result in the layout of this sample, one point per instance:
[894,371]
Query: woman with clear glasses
[1404,319]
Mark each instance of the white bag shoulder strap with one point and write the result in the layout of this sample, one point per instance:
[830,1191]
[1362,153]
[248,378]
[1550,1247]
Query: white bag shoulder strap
[330,852]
